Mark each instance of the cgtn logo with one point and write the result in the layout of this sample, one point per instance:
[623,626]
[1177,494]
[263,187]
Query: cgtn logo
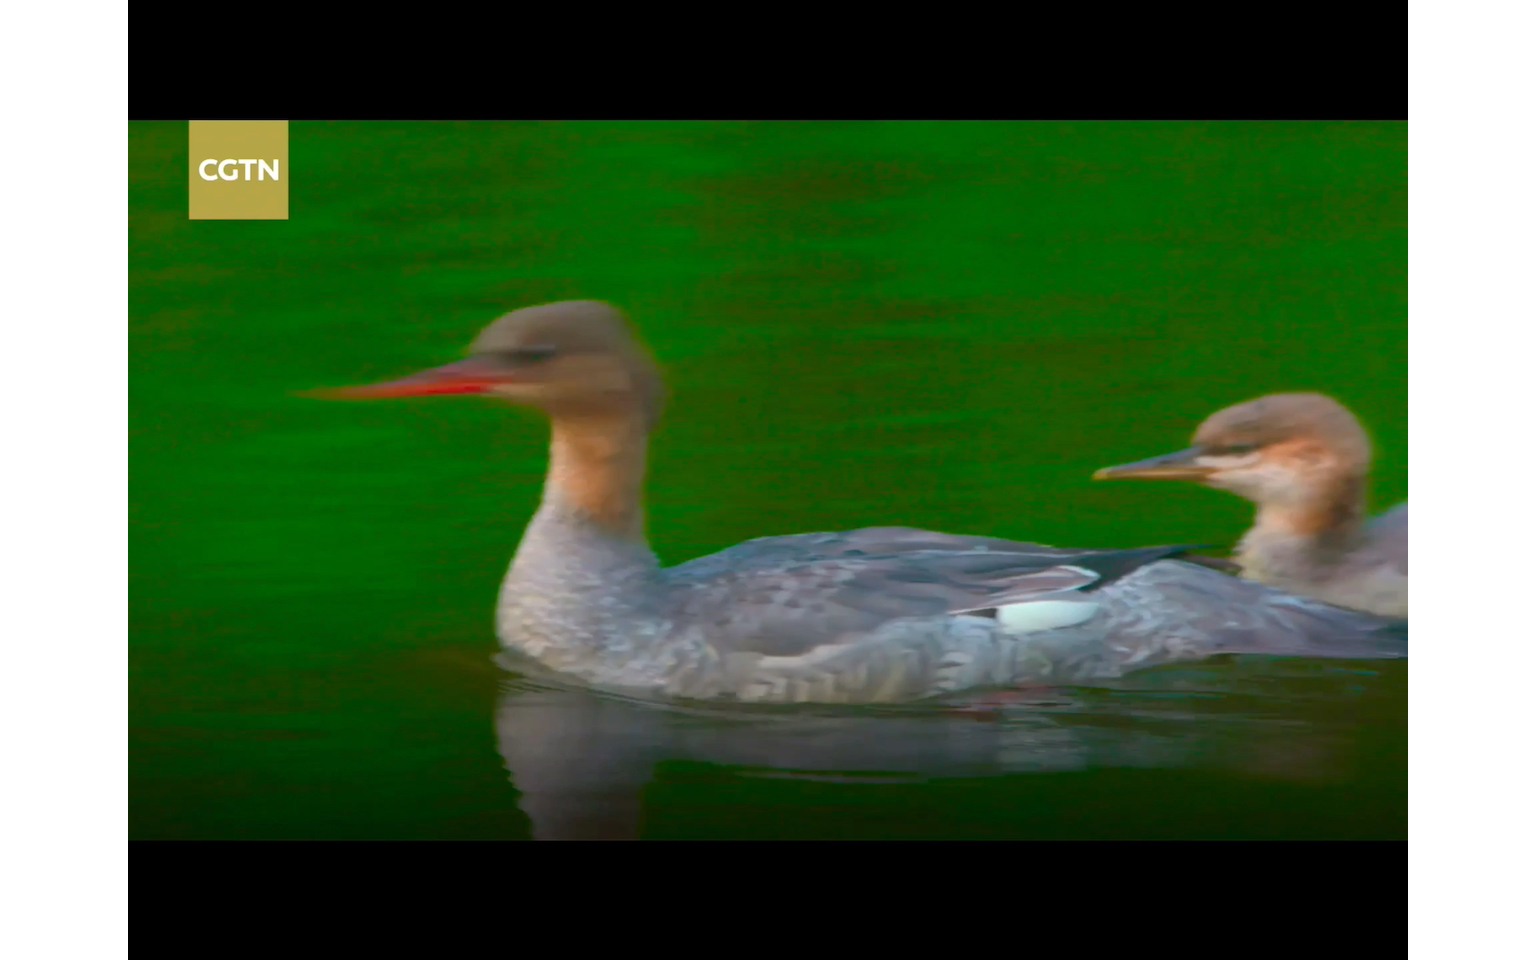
[212,169]
[237,170]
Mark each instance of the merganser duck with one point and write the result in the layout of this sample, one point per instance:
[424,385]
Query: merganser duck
[873,615]
[1303,458]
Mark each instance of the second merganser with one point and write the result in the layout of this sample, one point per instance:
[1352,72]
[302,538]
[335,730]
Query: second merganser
[873,615]
[1303,458]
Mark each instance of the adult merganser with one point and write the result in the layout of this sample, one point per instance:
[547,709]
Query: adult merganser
[1303,458]
[879,614]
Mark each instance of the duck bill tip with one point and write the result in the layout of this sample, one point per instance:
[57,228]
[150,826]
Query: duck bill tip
[388,391]
[454,378]
[1169,466]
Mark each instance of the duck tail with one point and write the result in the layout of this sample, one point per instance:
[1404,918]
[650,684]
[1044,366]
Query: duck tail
[1312,628]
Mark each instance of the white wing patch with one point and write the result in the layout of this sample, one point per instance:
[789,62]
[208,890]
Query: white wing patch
[1045,615]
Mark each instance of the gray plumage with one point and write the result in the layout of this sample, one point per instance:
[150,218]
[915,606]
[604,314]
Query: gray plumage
[1387,544]
[889,614]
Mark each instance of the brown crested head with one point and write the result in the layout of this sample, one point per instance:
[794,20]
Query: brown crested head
[569,359]
[1307,428]
[1281,448]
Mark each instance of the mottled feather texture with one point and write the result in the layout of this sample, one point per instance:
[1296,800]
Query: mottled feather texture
[1388,541]
[887,614]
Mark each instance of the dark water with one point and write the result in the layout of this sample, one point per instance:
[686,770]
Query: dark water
[937,325]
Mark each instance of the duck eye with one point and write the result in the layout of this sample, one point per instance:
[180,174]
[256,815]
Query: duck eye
[526,355]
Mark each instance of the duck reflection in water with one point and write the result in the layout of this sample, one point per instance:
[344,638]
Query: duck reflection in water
[582,760]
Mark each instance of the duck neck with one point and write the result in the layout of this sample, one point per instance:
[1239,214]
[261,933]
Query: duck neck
[591,514]
[1308,532]
[583,585]
[596,471]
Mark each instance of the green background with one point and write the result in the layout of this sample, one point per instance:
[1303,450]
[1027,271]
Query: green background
[945,325]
